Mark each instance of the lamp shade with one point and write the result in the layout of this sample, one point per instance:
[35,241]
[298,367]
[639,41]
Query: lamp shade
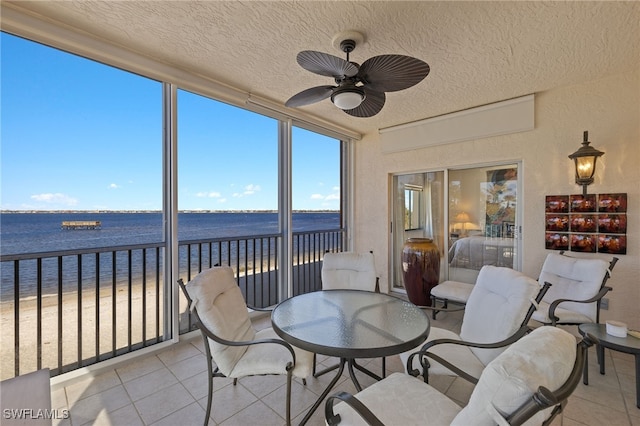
[461,218]
[585,162]
[462,224]
[348,97]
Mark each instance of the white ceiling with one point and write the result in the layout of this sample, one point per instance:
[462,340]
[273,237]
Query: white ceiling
[479,52]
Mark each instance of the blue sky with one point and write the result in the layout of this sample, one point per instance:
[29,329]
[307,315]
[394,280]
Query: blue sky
[79,135]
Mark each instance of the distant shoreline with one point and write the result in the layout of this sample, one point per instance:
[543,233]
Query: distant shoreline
[154,211]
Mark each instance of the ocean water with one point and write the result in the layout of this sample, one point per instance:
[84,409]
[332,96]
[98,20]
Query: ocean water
[40,232]
[22,233]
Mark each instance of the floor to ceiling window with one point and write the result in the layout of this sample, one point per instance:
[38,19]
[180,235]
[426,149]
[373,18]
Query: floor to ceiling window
[316,205]
[228,194]
[88,206]
[81,227]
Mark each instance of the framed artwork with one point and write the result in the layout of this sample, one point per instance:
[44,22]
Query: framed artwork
[556,241]
[557,222]
[612,203]
[586,223]
[612,223]
[557,204]
[583,223]
[614,244]
[583,203]
[583,243]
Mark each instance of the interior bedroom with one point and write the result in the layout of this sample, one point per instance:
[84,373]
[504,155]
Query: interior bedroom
[481,211]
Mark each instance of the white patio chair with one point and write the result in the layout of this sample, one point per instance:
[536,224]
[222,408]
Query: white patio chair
[529,382]
[350,271]
[231,342]
[497,313]
[447,292]
[577,289]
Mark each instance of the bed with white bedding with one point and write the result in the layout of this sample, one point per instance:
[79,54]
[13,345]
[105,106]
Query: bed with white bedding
[476,251]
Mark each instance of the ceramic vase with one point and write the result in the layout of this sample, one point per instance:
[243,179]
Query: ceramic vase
[420,269]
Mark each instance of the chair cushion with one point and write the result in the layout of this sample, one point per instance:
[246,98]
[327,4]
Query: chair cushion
[348,270]
[460,356]
[496,308]
[573,278]
[271,358]
[545,357]
[221,307]
[565,316]
[454,291]
[401,400]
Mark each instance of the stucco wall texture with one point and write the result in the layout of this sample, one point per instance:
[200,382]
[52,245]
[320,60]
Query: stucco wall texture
[608,108]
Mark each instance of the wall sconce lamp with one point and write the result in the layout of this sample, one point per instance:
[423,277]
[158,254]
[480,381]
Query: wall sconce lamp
[585,163]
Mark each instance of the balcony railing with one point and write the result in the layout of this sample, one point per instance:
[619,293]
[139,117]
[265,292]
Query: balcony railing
[68,309]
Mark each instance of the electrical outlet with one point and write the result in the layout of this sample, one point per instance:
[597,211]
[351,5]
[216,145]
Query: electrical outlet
[604,304]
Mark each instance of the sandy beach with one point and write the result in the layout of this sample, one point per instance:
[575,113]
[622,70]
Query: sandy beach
[108,309]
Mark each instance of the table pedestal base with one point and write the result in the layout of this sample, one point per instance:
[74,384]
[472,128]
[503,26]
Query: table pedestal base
[351,364]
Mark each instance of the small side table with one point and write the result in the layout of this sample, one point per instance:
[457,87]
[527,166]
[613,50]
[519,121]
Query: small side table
[629,345]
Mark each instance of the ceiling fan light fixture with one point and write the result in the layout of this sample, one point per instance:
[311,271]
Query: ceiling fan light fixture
[348,98]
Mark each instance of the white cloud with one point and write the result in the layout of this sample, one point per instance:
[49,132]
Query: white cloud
[211,194]
[248,190]
[56,198]
[113,186]
[251,189]
[329,197]
[336,188]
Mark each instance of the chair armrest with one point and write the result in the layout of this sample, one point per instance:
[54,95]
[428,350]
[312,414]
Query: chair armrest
[545,398]
[552,307]
[254,308]
[222,341]
[333,419]
[424,353]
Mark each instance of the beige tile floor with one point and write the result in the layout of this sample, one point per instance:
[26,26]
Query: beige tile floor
[170,388]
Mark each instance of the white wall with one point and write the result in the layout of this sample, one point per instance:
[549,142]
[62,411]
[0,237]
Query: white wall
[609,109]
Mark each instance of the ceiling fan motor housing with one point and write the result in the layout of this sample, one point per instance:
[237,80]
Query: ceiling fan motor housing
[347,46]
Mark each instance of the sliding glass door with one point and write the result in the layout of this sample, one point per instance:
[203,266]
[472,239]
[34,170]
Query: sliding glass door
[483,220]
[477,225]
[418,212]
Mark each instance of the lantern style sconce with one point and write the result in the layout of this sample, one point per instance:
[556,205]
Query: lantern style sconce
[585,163]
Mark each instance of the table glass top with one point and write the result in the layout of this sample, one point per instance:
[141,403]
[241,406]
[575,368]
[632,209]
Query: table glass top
[350,323]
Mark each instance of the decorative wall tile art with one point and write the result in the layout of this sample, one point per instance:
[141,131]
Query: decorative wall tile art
[586,223]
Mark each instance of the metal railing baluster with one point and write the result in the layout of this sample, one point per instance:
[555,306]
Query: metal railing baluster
[79,323]
[97,306]
[254,258]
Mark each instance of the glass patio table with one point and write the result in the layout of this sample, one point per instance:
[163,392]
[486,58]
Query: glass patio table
[350,324]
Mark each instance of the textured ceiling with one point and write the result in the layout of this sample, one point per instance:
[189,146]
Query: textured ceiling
[479,52]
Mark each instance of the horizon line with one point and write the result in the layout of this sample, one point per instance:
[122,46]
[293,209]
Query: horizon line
[5,211]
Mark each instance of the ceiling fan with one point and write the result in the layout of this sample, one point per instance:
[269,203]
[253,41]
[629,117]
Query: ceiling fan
[360,89]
